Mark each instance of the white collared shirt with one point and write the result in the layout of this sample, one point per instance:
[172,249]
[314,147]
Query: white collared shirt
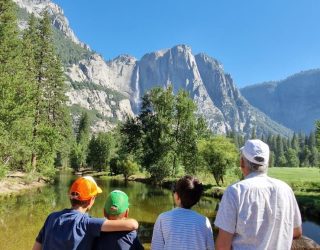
[261,212]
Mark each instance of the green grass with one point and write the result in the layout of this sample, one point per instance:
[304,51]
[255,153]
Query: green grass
[291,175]
[305,183]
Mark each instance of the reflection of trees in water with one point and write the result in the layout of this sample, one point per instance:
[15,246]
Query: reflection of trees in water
[62,183]
[145,232]
[24,215]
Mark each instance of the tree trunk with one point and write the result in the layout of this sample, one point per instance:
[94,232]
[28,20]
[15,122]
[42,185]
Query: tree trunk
[216,178]
[33,161]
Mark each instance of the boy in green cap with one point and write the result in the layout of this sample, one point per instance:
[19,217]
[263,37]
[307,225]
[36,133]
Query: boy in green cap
[117,208]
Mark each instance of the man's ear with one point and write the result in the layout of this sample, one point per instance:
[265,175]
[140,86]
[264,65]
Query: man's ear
[242,164]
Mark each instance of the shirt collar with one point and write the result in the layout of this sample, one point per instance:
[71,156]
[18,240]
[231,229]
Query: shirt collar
[255,174]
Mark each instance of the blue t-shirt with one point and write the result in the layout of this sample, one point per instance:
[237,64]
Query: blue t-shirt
[69,230]
[118,241]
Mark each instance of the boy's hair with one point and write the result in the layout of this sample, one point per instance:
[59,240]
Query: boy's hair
[83,204]
[189,189]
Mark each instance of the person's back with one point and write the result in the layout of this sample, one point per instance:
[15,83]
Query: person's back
[258,212]
[69,229]
[74,229]
[266,211]
[182,228]
[117,208]
[118,241]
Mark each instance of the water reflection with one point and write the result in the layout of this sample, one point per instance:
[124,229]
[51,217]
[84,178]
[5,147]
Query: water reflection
[21,217]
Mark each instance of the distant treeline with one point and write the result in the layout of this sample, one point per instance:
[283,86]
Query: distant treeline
[298,151]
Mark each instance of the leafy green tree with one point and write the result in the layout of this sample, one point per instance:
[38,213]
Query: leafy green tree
[128,167]
[157,126]
[130,137]
[76,156]
[219,154]
[99,151]
[125,165]
[79,149]
[163,137]
[187,129]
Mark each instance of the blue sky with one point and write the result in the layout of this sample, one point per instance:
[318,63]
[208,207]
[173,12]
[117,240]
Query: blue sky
[255,40]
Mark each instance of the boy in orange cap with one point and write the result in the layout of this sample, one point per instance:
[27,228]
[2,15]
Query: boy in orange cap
[73,228]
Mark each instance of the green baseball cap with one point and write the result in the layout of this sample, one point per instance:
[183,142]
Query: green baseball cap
[117,203]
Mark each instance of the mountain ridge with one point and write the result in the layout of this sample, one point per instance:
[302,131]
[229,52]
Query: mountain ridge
[202,76]
[292,101]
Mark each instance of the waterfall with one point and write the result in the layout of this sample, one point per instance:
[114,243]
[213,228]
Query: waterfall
[136,97]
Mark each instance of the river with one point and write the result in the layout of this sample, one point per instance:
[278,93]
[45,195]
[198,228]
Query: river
[22,216]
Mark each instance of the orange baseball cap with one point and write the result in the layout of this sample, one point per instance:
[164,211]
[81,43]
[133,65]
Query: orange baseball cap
[84,188]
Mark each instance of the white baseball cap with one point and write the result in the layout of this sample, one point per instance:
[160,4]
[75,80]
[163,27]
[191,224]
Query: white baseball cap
[256,148]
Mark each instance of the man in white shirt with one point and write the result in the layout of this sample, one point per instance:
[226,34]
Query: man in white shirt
[258,212]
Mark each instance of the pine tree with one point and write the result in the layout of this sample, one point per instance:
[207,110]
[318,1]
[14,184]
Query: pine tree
[318,134]
[253,133]
[15,92]
[295,142]
[280,159]
[52,124]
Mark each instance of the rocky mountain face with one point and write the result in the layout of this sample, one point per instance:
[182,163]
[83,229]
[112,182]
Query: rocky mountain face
[59,20]
[293,102]
[111,90]
[203,77]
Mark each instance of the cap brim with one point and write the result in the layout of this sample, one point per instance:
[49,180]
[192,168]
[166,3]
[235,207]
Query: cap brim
[99,190]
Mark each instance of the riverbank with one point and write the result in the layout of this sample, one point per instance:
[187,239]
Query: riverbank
[19,182]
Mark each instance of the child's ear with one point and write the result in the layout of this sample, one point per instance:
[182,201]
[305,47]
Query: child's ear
[177,199]
[126,215]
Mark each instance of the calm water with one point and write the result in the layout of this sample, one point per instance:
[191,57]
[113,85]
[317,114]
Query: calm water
[21,217]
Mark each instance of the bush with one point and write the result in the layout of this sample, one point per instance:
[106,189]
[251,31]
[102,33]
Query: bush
[3,171]
[126,166]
